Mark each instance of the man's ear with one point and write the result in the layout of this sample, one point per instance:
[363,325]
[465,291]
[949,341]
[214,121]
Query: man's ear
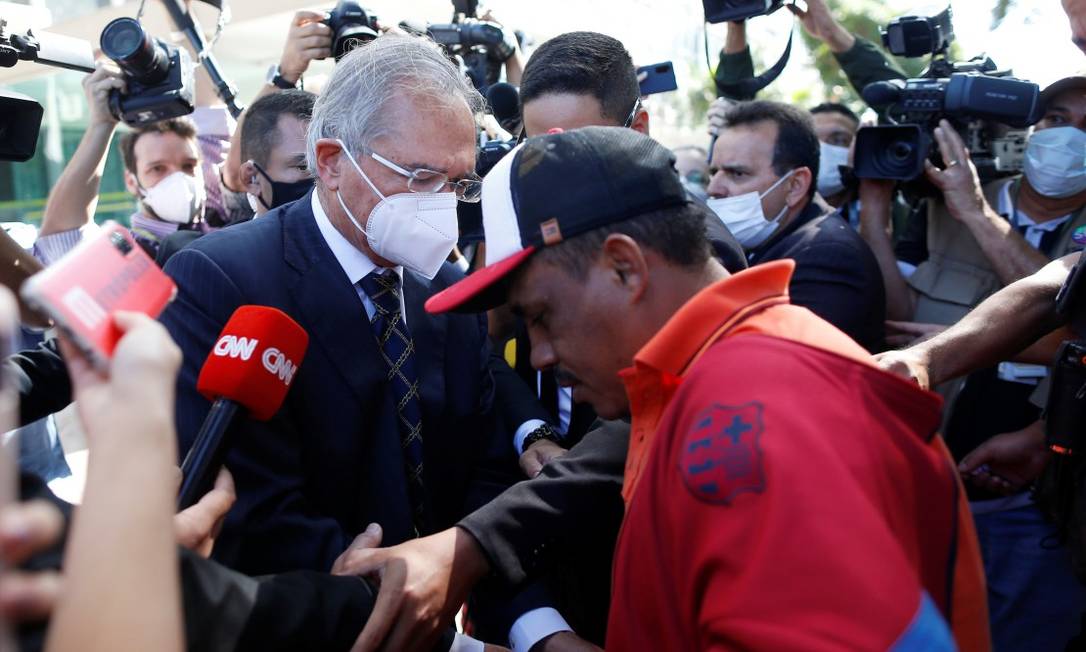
[798,186]
[641,122]
[626,262]
[249,177]
[130,183]
[330,162]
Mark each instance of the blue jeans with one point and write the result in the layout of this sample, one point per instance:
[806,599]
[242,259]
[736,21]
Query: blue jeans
[1034,600]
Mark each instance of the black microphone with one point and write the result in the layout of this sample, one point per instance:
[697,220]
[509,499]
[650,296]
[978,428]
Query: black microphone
[882,93]
[504,101]
[247,374]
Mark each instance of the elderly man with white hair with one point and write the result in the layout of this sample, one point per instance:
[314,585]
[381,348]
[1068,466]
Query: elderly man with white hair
[387,427]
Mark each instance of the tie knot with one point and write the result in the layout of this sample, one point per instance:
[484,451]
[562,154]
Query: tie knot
[383,289]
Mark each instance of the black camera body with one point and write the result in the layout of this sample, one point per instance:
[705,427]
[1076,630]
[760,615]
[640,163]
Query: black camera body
[159,78]
[19,126]
[480,46]
[988,107]
[351,26]
[720,11]
[916,36]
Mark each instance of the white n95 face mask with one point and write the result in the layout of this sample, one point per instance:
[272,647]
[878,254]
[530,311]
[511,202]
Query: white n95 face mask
[1056,161]
[744,217]
[830,160]
[415,229]
[178,198]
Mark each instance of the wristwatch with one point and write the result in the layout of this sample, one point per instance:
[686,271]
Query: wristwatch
[275,78]
[544,431]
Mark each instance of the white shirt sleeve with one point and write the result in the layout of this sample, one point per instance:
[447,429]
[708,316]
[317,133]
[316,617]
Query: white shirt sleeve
[523,431]
[465,643]
[534,626]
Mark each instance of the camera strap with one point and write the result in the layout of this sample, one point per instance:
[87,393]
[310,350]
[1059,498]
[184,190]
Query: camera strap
[750,87]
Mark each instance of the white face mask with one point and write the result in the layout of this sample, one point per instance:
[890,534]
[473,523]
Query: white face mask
[415,229]
[830,160]
[178,198]
[1056,161]
[744,217]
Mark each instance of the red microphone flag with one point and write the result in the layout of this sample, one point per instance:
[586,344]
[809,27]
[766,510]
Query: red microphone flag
[254,360]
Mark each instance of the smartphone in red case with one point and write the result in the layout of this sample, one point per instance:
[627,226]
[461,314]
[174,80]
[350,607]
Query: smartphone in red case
[105,273]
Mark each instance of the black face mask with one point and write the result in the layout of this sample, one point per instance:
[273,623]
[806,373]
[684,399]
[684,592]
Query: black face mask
[283,193]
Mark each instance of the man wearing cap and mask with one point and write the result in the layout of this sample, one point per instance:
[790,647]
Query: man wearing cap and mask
[764,168]
[726,470]
[981,238]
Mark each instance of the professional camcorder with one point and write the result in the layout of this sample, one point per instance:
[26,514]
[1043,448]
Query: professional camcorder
[980,101]
[480,47]
[351,26]
[159,78]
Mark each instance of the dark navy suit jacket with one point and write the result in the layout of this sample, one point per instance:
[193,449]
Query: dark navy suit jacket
[330,461]
[837,277]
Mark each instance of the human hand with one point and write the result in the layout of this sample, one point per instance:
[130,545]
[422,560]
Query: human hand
[717,110]
[136,396]
[197,526]
[820,24]
[538,454]
[958,181]
[876,200]
[912,365]
[27,529]
[900,334]
[97,87]
[1008,462]
[424,582]
[564,642]
[308,39]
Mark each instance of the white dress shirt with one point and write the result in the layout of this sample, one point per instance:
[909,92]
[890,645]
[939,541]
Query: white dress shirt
[354,263]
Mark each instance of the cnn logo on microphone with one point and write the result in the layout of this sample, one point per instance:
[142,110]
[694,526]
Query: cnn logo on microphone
[274,360]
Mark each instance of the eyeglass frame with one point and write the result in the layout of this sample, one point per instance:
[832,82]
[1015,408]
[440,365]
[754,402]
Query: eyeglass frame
[461,188]
[633,113]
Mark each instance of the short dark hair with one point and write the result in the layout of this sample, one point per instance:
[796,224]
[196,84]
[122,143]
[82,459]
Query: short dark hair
[260,127]
[583,63]
[797,145]
[836,107]
[676,232]
[183,127]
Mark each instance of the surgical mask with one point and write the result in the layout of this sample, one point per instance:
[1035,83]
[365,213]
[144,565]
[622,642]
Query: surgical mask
[179,198]
[830,160]
[415,229]
[1056,161]
[744,217]
[282,192]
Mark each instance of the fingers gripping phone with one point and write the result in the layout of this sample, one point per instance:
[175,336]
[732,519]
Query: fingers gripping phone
[104,274]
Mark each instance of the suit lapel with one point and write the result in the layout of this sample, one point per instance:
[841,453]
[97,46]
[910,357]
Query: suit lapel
[332,311]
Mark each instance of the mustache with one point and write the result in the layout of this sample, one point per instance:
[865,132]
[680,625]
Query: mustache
[564,376]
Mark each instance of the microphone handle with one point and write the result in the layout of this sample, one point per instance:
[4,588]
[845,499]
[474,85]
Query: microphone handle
[206,455]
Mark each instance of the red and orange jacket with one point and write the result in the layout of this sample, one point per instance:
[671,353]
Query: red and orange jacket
[783,493]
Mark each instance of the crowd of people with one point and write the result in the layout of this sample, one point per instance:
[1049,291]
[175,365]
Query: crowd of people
[733,398]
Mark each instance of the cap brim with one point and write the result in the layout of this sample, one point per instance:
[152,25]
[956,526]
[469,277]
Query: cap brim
[1057,87]
[482,290]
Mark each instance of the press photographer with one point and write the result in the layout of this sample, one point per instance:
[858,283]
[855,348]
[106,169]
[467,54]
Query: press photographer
[980,237]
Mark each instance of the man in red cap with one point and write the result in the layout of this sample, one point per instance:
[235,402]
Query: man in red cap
[781,492]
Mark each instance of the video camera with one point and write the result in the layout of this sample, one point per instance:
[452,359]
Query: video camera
[351,26]
[159,78]
[479,46]
[977,99]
